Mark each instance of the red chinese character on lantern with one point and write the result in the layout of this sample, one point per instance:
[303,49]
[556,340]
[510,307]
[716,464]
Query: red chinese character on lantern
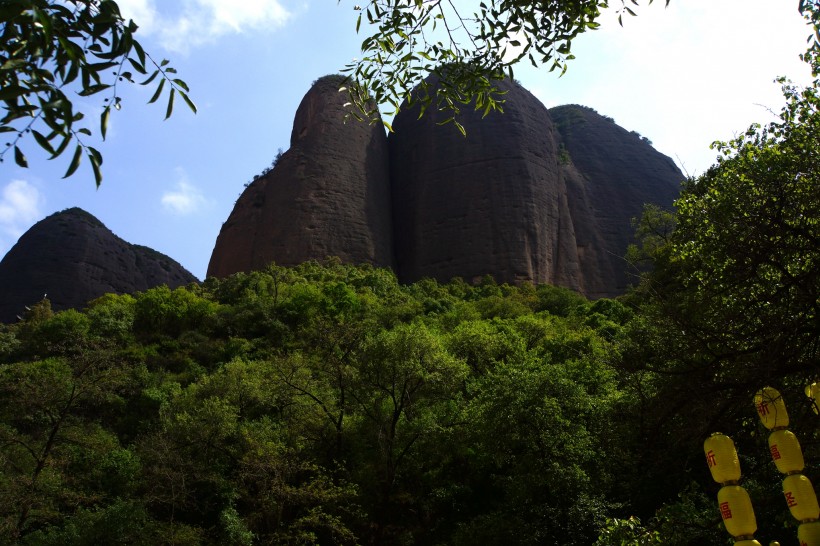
[775,452]
[790,500]
[710,458]
[763,408]
[725,511]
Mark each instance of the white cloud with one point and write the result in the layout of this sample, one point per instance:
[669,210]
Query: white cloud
[238,14]
[685,75]
[184,198]
[20,207]
[142,12]
[202,21]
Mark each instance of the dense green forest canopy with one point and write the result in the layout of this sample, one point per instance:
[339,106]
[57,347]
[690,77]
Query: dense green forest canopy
[322,404]
[327,404]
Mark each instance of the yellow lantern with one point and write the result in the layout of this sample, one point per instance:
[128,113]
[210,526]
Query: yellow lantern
[748,543]
[770,408]
[813,392]
[786,451]
[736,511]
[721,456]
[800,497]
[809,534]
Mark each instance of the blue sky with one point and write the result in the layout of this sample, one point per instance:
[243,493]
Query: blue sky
[683,76]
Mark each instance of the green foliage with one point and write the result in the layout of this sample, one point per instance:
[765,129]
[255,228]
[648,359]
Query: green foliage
[738,275]
[161,311]
[481,344]
[322,404]
[112,316]
[557,300]
[627,532]
[63,333]
[51,49]
[121,522]
[539,430]
[51,451]
[729,307]
[469,51]
[747,237]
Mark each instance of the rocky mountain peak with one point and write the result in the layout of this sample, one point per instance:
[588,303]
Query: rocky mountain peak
[328,195]
[530,195]
[73,258]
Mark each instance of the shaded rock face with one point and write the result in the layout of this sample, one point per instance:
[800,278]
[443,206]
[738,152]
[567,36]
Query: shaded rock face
[528,195]
[609,174]
[73,258]
[488,203]
[328,195]
[546,196]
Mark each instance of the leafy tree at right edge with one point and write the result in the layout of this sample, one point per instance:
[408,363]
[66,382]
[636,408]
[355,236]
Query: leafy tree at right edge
[732,304]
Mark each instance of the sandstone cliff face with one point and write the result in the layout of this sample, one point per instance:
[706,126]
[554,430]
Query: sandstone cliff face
[328,195]
[528,195]
[609,174]
[490,203]
[73,258]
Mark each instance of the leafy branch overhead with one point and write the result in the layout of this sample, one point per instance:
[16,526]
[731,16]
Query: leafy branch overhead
[54,51]
[469,51]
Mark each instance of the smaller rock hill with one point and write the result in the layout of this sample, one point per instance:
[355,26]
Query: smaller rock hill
[73,258]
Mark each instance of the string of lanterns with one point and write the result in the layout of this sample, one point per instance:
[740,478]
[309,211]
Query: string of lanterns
[788,457]
[733,500]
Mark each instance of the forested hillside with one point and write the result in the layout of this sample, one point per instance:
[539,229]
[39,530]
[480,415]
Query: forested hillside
[325,404]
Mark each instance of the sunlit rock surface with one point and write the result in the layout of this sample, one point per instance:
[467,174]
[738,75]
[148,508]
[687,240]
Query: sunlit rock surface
[328,195]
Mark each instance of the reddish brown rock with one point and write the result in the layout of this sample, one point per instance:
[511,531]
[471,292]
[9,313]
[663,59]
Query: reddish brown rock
[73,258]
[490,203]
[609,173]
[528,195]
[328,195]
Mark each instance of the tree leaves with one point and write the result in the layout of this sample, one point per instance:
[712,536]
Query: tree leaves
[50,50]
[75,161]
[735,286]
[406,43]
[19,158]
[323,401]
[157,93]
[104,117]
[170,109]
